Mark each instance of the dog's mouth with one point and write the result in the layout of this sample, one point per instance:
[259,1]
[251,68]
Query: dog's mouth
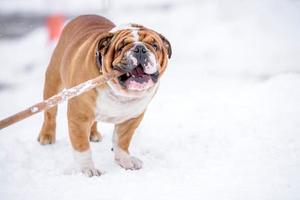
[137,79]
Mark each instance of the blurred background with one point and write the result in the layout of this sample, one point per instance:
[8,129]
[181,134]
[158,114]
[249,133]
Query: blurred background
[234,37]
[229,103]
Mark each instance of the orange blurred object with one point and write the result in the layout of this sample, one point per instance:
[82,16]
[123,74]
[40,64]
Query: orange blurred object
[54,24]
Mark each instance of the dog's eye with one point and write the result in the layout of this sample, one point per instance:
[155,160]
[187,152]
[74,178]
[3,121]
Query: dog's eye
[155,46]
[120,47]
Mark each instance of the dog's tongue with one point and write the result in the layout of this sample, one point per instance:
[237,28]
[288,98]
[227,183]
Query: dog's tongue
[139,80]
[134,85]
[138,71]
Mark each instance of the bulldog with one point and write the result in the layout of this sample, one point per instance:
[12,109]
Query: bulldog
[90,46]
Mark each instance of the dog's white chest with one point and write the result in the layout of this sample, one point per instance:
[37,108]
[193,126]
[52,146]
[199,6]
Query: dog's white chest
[114,109]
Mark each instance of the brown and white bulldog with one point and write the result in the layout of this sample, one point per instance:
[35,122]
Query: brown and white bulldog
[90,46]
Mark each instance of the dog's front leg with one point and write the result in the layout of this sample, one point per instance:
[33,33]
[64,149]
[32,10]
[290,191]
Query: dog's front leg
[80,121]
[121,139]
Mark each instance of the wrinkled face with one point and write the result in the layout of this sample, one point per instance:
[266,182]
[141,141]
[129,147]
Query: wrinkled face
[140,53]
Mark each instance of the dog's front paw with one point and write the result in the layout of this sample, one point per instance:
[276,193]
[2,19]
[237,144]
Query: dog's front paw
[84,163]
[91,172]
[129,162]
[46,138]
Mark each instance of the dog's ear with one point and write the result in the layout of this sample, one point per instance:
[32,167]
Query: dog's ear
[167,45]
[104,43]
[102,47]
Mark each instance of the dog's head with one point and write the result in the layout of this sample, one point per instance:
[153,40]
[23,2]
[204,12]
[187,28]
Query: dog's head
[141,53]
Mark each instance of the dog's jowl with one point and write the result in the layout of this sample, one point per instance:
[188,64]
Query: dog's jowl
[90,46]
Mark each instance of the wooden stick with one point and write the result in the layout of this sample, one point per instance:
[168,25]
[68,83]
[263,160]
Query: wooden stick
[58,98]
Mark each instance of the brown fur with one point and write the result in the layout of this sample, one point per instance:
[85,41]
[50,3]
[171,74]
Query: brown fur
[126,130]
[73,62]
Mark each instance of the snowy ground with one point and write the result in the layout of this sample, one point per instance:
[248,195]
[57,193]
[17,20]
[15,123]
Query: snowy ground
[224,125]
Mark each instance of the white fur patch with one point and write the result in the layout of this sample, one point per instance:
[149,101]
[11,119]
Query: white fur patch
[84,164]
[135,35]
[132,58]
[83,159]
[151,66]
[112,108]
[123,27]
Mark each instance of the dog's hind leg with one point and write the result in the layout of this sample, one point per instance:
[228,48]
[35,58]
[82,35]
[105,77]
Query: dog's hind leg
[52,86]
[95,135]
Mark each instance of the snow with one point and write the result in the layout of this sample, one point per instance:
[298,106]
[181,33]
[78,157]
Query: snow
[224,124]
[34,109]
[66,94]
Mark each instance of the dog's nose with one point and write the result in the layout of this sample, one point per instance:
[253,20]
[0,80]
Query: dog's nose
[140,49]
